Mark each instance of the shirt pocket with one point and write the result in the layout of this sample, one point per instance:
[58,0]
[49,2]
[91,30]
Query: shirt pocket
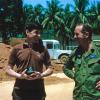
[94,66]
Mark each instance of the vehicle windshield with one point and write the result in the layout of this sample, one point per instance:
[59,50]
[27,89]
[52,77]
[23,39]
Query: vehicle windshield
[56,46]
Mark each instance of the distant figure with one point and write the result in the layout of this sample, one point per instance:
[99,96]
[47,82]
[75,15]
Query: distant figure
[84,65]
[29,59]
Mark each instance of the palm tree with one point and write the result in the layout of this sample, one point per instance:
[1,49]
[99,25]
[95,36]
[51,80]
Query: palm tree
[64,31]
[79,12]
[95,17]
[11,15]
[53,18]
[28,14]
[33,15]
[38,12]
[52,14]
[18,16]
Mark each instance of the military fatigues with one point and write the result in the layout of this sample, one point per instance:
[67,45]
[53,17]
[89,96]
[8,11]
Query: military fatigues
[84,68]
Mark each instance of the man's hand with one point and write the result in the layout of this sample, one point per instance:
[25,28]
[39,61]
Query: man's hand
[23,75]
[98,85]
[34,75]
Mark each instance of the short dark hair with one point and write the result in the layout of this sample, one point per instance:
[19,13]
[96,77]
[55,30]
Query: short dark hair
[86,28]
[30,27]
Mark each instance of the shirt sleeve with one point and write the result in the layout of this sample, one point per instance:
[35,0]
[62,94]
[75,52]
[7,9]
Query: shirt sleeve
[12,58]
[46,59]
[68,68]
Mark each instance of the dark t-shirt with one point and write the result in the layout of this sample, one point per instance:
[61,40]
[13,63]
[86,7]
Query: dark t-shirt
[27,57]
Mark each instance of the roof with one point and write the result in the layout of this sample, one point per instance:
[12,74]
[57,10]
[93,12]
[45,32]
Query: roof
[96,40]
[47,40]
[96,37]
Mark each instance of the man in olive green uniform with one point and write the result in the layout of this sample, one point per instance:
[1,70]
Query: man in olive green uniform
[84,65]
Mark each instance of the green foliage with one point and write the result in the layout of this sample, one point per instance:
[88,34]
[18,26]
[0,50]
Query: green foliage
[33,15]
[11,17]
[58,22]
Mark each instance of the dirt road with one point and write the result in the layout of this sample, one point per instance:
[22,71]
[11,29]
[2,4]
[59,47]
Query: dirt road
[58,86]
[62,91]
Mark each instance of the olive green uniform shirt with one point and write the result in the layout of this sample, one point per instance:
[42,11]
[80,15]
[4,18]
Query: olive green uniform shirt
[84,68]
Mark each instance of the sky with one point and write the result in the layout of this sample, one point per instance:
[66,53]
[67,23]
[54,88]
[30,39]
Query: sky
[43,2]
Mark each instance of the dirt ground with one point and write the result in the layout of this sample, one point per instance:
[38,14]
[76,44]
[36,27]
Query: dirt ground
[58,86]
[62,91]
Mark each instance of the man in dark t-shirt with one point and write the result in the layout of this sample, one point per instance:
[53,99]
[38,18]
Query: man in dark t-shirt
[29,59]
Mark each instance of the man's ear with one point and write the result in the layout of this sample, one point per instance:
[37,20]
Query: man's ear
[27,31]
[86,35]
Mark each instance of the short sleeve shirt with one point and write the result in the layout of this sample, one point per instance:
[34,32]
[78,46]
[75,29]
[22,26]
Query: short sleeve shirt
[26,57]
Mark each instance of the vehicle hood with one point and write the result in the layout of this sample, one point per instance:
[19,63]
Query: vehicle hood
[64,51]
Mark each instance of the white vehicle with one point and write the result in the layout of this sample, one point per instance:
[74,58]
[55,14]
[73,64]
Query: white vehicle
[53,47]
[97,42]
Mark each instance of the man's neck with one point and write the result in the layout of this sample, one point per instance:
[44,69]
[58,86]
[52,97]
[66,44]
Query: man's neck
[87,46]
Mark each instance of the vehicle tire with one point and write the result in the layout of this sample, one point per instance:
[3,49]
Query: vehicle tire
[63,58]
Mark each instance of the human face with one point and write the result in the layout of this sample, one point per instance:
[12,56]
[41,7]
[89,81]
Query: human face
[79,36]
[34,35]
